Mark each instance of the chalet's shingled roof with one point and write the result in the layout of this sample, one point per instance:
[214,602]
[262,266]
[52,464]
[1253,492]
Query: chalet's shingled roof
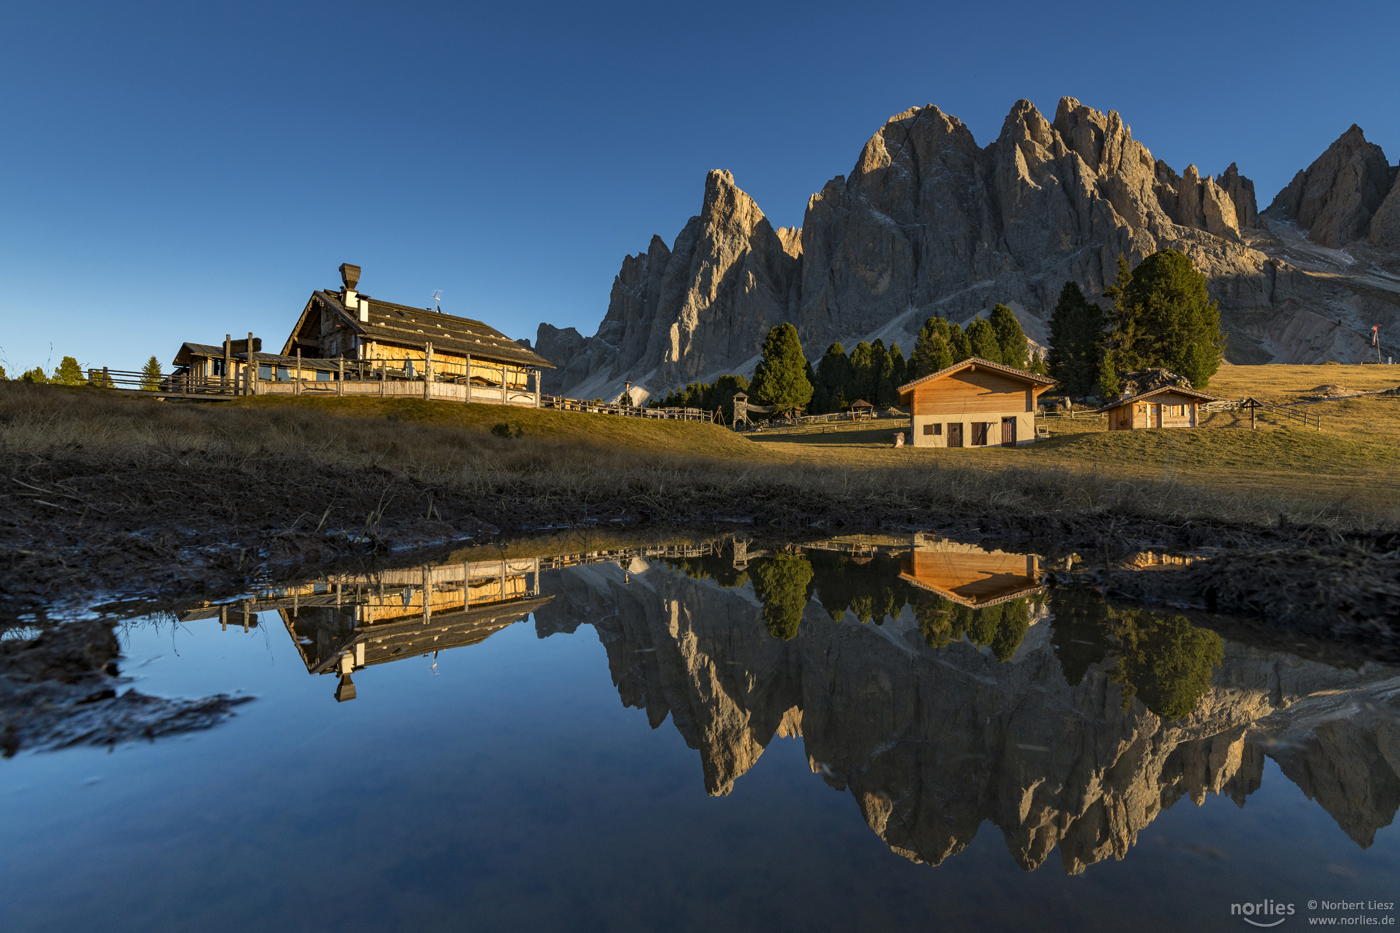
[979,363]
[1179,390]
[402,325]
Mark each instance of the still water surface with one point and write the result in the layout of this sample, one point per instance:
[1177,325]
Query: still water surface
[901,736]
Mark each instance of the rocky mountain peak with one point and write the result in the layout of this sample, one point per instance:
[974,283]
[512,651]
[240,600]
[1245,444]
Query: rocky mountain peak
[930,223]
[1335,198]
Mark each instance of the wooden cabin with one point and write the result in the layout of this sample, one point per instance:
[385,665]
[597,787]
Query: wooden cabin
[967,574]
[1167,407]
[975,403]
[407,343]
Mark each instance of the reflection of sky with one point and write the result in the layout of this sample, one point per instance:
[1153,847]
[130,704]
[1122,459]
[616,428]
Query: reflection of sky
[511,790]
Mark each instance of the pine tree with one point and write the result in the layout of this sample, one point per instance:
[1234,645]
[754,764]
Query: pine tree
[1076,341]
[1037,365]
[930,349]
[958,344]
[1164,317]
[983,338]
[36,376]
[1010,337]
[1108,377]
[780,379]
[1123,317]
[899,366]
[882,376]
[833,372]
[861,384]
[3,377]
[68,373]
[151,375]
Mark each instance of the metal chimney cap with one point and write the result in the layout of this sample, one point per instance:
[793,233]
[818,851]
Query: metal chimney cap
[349,274]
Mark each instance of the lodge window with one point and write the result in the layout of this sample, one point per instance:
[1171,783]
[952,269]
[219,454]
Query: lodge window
[933,430]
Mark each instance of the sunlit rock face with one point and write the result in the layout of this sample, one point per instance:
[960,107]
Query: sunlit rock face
[932,742]
[930,223]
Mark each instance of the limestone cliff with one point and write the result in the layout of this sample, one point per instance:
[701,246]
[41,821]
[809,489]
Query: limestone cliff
[929,223]
[932,743]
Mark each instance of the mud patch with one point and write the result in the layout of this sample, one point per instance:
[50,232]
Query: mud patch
[63,689]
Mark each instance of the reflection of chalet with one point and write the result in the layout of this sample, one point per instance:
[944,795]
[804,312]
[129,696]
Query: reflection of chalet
[968,575]
[349,623]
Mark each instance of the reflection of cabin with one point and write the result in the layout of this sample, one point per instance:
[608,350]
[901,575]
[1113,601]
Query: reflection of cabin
[861,410]
[968,575]
[405,344]
[348,623]
[1167,407]
[975,403]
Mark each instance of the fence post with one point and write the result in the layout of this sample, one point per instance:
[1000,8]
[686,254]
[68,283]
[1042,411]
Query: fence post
[340,377]
[297,389]
[428,370]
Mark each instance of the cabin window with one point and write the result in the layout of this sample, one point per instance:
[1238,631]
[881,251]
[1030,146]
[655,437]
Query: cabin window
[322,375]
[933,430]
[217,367]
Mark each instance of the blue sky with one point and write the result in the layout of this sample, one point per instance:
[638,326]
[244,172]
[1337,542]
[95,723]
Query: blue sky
[177,171]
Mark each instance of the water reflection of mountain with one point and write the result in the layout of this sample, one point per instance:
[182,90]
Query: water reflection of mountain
[933,735]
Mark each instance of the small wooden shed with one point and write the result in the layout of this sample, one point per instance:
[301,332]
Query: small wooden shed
[1167,407]
[975,403]
[861,410]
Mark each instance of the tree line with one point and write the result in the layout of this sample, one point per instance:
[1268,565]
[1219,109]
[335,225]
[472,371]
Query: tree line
[69,373]
[1161,316]
[870,372]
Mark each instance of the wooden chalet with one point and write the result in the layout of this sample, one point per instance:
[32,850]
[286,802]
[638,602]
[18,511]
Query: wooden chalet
[402,344]
[351,622]
[975,403]
[967,574]
[1167,407]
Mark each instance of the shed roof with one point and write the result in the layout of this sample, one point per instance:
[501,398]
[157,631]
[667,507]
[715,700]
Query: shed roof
[860,403]
[1179,390]
[976,362]
[402,325]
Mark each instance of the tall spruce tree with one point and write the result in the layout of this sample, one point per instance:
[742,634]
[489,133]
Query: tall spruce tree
[862,384]
[899,366]
[780,379]
[151,375]
[983,338]
[958,343]
[1015,349]
[931,351]
[833,372]
[1076,341]
[1164,317]
[1107,385]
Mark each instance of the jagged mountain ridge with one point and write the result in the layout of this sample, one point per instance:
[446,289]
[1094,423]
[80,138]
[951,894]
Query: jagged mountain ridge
[930,223]
[931,743]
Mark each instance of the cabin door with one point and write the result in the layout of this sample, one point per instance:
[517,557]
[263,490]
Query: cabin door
[1008,432]
[1157,410]
[955,434]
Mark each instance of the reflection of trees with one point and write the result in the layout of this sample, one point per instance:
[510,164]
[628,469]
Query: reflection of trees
[871,590]
[710,567]
[781,583]
[1001,627]
[1163,660]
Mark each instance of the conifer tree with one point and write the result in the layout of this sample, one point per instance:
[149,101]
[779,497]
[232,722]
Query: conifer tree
[983,338]
[861,385]
[1164,317]
[36,376]
[780,379]
[1076,341]
[958,343]
[68,373]
[898,365]
[3,377]
[1108,377]
[882,376]
[151,375]
[833,372]
[1010,337]
[1037,365]
[930,349]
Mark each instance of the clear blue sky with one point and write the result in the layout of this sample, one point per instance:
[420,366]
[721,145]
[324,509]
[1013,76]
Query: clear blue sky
[178,171]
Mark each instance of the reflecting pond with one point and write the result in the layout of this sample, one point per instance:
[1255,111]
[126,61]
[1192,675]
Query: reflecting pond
[864,733]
